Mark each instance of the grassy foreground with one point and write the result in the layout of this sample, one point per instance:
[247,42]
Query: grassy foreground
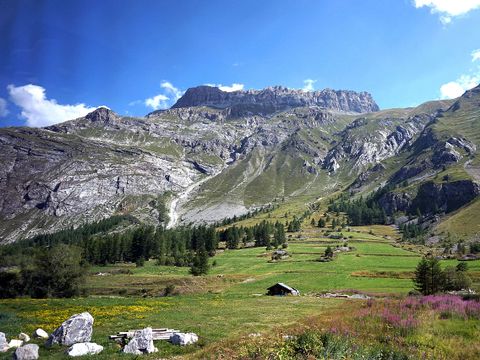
[229,304]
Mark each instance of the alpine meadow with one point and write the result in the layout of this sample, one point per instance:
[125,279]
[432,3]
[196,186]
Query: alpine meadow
[188,219]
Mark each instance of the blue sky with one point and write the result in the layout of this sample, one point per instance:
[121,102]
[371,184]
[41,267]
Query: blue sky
[60,59]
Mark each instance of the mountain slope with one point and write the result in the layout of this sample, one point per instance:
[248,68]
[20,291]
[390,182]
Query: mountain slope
[218,154]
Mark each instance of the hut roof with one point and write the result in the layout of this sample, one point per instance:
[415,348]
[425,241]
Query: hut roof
[285,286]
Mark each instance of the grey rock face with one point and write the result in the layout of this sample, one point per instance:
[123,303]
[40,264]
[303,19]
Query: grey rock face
[393,202]
[276,98]
[86,348]
[363,148]
[77,329]
[368,176]
[450,151]
[447,197]
[141,343]
[26,352]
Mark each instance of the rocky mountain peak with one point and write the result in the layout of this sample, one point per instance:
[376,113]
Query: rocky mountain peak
[275,98]
[102,114]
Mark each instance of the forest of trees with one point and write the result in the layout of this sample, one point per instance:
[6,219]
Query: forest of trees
[362,211]
[411,231]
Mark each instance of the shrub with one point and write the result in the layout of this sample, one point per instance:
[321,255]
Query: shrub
[140,262]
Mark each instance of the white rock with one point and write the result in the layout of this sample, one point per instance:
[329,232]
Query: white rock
[141,343]
[24,337]
[183,339]
[40,334]
[86,348]
[14,343]
[3,343]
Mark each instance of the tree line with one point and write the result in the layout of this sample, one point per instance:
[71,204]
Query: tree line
[265,233]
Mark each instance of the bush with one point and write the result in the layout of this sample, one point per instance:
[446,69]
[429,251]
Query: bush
[10,285]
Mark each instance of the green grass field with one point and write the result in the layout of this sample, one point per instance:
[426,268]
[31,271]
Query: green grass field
[229,302]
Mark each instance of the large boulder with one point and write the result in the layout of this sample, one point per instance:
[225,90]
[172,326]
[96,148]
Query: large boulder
[3,342]
[77,329]
[183,339]
[141,343]
[86,348]
[27,352]
[40,334]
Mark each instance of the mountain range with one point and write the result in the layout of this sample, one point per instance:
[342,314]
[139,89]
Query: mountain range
[217,154]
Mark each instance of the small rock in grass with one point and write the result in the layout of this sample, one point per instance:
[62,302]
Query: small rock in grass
[86,348]
[3,343]
[183,339]
[24,337]
[15,343]
[40,334]
[27,352]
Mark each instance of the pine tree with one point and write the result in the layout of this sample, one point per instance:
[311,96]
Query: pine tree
[328,252]
[429,277]
[422,277]
[200,264]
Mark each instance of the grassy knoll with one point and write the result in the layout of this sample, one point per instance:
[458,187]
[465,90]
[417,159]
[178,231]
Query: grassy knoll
[229,303]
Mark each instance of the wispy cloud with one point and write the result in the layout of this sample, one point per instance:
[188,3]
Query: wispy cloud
[3,107]
[475,55]
[37,110]
[308,84]
[226,88]
[448,9]
[169,95]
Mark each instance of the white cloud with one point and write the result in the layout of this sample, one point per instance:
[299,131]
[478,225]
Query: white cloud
[157,102]
[226,88]
[475,55]
[172,90]
[3,108]
[37,110]
[447,9]
[164,100]
[308,84]
[454,89]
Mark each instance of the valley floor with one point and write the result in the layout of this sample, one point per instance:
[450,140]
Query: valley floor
[230,303]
